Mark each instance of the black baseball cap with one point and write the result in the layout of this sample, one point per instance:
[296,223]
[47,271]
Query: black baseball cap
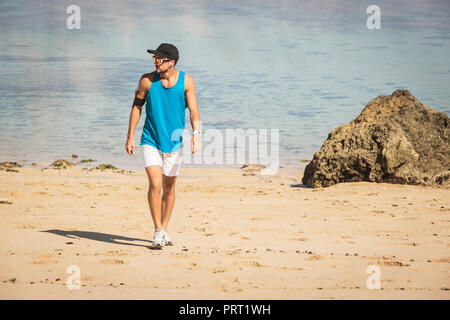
[166,50]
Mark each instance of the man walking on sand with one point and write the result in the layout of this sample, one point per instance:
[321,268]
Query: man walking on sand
[166,92]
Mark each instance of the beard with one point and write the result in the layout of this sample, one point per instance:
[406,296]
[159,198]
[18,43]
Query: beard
[163,71]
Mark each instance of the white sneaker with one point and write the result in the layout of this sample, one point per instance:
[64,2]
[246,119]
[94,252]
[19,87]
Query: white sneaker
[158,240]
[166,238]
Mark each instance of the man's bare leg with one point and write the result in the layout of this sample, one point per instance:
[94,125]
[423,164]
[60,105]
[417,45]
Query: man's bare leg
[168,199]
[154,194]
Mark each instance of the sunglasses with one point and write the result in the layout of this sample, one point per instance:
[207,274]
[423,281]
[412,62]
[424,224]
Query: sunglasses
[159,60]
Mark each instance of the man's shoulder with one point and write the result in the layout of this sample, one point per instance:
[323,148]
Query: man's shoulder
[148,77]
[188,76]
[188,80]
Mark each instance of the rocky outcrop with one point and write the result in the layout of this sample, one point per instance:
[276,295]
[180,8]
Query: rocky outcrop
[395,139]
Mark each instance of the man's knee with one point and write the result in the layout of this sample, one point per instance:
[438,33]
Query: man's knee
[154,178]
[155,186]
[169,185]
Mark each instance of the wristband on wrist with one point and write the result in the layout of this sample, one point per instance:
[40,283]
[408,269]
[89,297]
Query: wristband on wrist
[196,132]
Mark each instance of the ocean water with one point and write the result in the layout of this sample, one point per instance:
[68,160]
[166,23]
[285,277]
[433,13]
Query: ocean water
[301,67]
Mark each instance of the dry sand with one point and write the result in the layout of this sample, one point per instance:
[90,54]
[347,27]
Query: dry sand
[236,237]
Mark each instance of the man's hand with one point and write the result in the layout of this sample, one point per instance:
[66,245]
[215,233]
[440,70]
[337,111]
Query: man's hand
[130,146]
[196,143]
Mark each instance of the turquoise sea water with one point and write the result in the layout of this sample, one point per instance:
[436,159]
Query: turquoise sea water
[303,67]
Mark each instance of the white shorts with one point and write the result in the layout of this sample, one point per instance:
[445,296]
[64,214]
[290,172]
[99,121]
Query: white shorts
[170,162]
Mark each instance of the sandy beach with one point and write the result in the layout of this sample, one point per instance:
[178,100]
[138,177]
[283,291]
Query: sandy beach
[236,237]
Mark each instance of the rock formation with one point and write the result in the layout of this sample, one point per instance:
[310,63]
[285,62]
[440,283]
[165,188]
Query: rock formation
[395,139]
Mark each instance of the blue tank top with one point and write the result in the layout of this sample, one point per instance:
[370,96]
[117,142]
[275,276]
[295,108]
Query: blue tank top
[165,115]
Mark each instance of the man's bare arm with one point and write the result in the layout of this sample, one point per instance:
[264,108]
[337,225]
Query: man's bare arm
[135,113]
[191,101]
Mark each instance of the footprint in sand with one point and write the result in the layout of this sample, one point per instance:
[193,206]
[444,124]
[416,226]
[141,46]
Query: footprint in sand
[230,285]
[254,264]
[26,226]
[314,257]
[111,261]
[45,259]
[291,268]
[90,278]
[116,253]
[218,271]
[299,239]
[392,263]
[352,219]
[42,193]
[180,255]
[444,259]
[260,230]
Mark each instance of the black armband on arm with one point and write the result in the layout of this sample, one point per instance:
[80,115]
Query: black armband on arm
[137,101]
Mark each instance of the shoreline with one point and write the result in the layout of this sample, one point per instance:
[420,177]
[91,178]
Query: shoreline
[236,237]
[40,165]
